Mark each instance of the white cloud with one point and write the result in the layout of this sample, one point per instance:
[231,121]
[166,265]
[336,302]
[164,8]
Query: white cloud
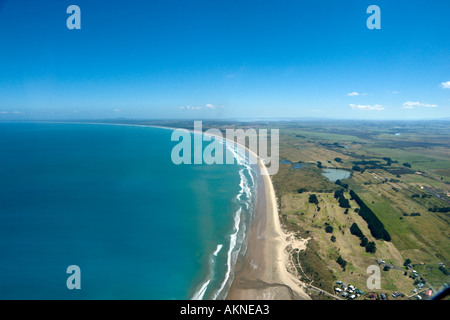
[445,85]
[189,108]
[3,112]
[207,106]
[116,110]
[354,94]
[412,105]
[375,107]
[17,112]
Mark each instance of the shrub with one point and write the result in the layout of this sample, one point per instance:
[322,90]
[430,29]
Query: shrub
[340,183]
[444,270]
[371,247]
[313,199]
[355,230]
[343,203]
[338,193]
[342,262]
[364,242]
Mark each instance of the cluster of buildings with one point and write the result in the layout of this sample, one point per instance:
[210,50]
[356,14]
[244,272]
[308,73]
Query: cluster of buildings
[347,291]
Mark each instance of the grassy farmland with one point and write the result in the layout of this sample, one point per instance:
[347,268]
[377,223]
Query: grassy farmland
[403,172]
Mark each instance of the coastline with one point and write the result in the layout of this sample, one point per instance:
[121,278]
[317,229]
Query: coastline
[263,272]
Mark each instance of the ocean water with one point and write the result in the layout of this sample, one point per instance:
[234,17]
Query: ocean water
[108,199]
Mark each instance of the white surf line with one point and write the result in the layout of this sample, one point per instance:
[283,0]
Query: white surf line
[241,159]
[201,292]
[219,247]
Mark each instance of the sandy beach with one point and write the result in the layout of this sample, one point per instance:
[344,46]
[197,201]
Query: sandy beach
[263,272]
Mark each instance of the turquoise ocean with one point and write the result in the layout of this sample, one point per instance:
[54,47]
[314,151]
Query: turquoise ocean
[108,199]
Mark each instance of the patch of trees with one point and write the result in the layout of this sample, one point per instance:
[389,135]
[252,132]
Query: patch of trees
[301,190]
[375,226]
[319,165]
[338,193]
[333,239]
[328,228]
[442,209]
[406,165]
[356,168]
[414,214]
[416,195]
[342,262]
[388,161]
[338,160]
[444,270]
[313,199]
[340,183]
[356,231]
[371,164]
[364,162]
[364,242]
[336,144]
[397,171]
[371,247]
[343,202]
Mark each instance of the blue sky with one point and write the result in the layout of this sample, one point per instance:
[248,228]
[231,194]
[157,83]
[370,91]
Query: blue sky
[224,59]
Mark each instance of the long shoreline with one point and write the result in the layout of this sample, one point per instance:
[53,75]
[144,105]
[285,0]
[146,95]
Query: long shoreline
[262,273]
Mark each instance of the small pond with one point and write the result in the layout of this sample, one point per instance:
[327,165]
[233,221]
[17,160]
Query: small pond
[335,174]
